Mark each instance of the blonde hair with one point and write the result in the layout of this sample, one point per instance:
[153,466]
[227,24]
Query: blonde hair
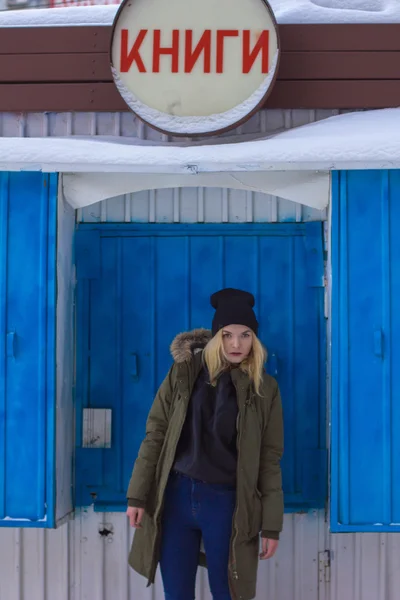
[253,365]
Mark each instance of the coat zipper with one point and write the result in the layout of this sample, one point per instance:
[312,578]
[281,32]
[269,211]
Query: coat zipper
[249,402]
[239,438]
[234,572]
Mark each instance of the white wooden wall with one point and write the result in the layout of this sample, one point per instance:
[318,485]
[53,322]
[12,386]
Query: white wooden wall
[65,415]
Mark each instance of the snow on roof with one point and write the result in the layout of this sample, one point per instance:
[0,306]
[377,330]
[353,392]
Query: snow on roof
[336,11]
[286,11]
[361,140]
[59,17]
[294,164]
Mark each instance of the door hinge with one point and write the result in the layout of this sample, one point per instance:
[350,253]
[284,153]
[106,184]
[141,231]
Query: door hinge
[324,566]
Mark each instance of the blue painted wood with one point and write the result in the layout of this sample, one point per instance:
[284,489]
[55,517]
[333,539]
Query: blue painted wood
[195,229]
[88,248]
[4,185]
[365,342]
[152,287]
[314,250]
[49,199]
[27,354]
[391,371]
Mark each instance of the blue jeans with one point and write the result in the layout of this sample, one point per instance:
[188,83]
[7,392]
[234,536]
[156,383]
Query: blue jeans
[195,510]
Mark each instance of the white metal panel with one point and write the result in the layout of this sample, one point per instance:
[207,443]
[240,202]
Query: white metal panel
[169,206]
[82,561]
[86,559]
[365,566]
[96,427]
[198,205]
[126,125]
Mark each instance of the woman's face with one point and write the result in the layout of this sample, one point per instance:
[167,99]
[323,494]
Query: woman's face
[237,341]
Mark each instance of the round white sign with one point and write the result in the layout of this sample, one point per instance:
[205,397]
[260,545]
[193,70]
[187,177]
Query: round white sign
[192,67]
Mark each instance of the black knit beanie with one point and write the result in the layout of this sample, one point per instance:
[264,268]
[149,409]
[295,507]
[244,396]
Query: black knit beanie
[233,307]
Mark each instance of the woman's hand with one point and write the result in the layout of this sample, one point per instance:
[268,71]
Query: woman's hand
[269,547]
[135,516]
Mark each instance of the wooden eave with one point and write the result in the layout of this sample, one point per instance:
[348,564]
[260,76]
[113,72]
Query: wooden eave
[344,66]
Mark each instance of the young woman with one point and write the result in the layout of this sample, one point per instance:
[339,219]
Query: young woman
[208,478]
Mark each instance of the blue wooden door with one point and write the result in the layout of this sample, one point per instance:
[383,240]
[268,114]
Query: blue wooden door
[138,286]
[366,351]
[28,204]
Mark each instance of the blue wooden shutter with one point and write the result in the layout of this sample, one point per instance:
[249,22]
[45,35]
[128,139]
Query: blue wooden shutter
[27,349]
[293,327]
[138,286]
[365,486]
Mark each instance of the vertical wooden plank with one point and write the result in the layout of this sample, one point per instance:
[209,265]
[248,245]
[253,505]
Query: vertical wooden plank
[188,307]
[4,191]
[137,348]
[171,298]
[153,329]
[206,268]
[276,303]
[26,370]
[104,377]
[65,360]
[49,197]
[305,323]
[343,449]
[387,357]
[392,345]
[241,262]
[364,264]
[114,465]
[335,353]
[82,353]
[290,356]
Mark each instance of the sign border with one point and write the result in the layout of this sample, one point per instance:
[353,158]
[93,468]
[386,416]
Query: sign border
[215,132]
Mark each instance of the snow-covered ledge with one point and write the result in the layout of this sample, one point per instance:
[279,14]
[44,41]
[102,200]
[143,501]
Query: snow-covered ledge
[294,164]
[286,11]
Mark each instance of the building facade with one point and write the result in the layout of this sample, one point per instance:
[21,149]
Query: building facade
[89,308]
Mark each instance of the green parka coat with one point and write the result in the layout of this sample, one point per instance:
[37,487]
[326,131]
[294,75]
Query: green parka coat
[259,504]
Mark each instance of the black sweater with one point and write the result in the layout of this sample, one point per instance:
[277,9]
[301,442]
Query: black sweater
[207,447]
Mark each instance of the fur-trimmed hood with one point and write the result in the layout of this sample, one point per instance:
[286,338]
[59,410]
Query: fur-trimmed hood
[185,345]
